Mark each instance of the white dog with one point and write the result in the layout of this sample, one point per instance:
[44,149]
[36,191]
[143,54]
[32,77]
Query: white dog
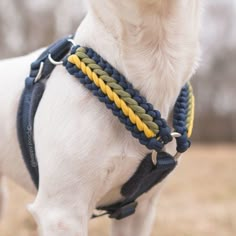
[85,155]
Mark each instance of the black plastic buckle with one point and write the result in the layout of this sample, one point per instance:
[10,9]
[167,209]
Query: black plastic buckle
[148,175]
[124,211]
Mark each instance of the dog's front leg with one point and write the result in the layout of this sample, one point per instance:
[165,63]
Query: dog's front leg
[61,215]
[139,224]
[65,199]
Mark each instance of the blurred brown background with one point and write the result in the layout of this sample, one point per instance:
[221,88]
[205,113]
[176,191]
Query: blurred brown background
[200,198]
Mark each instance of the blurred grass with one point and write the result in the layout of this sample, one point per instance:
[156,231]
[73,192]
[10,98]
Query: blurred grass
[198,199]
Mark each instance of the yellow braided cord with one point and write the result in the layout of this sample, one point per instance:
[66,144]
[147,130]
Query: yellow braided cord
[191,111]
[74,59]
[119,90]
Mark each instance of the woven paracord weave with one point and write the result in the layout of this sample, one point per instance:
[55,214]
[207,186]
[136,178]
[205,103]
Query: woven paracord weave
[117,94]
[93,63]
[164,132]
[151,144]
[183,117]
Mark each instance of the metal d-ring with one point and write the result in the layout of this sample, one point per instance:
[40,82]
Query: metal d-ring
[176,156]
[72,42]
[38,77]
[56,63]
[176,135]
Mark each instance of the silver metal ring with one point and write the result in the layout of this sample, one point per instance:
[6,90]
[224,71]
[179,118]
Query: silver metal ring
[176,156]
[56,63]
[175,135]
[38,77]
[72,41]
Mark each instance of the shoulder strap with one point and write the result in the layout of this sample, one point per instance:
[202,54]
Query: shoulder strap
[30,99]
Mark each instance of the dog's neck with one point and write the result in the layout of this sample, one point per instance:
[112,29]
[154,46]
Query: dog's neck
[154,43]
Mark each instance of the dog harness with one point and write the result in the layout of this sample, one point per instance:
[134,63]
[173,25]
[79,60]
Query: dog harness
[126,103]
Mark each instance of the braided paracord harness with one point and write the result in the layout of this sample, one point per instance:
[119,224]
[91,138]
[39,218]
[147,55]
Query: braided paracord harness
[125,102]
[132,109]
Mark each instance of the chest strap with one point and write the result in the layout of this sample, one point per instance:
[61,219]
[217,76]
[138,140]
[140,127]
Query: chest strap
[125,102]
[132,109]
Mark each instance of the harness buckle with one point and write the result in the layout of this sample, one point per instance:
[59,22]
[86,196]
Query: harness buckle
[124,211]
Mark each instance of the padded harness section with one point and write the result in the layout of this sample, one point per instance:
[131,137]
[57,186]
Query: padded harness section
[30,100]
[145,178]
[148,175]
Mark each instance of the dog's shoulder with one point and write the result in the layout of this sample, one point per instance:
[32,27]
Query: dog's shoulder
[18,65]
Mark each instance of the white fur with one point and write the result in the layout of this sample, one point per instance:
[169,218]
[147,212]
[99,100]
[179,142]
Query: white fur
[85,155]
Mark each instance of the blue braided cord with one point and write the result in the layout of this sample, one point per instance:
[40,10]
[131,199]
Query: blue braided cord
[180,120]
[152,144]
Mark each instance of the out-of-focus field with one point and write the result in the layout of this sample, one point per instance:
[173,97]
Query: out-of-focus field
[199,199]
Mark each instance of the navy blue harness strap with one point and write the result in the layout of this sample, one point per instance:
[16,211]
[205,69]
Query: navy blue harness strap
[57,50]
[148,175]
[145,178]
[30,99]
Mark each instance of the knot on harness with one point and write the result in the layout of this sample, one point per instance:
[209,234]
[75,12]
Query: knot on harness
[183,144]
[165,134]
